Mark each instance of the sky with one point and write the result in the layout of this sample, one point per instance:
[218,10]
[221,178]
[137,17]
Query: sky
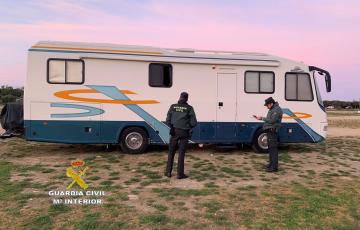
[323,33]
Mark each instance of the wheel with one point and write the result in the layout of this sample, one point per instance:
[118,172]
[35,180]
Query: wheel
[260,142]
[134,140]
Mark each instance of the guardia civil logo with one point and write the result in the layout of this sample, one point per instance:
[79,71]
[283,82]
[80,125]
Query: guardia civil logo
[76,172]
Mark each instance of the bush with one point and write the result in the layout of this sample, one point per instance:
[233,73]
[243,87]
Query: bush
[7,98]
[10,94]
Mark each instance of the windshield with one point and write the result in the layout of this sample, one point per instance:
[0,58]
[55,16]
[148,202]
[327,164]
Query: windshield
[317,88]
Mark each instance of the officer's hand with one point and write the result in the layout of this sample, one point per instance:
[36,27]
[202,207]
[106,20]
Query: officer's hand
[259,118]
[190,132]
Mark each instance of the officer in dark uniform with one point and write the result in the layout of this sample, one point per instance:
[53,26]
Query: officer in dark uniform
[272,126]
[181,119]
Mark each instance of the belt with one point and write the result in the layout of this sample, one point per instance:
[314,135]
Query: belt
[181,129]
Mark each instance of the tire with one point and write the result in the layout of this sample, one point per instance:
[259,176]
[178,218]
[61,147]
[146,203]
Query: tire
[134,140]
[259,143]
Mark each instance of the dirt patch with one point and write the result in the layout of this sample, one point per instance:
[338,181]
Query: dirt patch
[345,123]
[343,126]
[343,132]
[352,117]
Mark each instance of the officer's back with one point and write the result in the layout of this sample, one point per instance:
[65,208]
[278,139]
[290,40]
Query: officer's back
[181,116]
[181,119]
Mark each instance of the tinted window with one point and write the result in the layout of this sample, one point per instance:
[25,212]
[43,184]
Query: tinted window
[259,82]
[160,75]
[291,88]
[298,87]
[266,82]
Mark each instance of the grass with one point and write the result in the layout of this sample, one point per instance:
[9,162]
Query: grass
[132,181]
[8,190]
[33,168]
[58,209]
[106,183]
[311,208]
[179,222]
[248,217]
[40,222]
[211,185]
[114,174]
[234,172]
[171,192]
[92,221]
[157,219]
[93,178]
[150,174]
[46,221]
[214,213]
[160,207]
[153,181]
[318,187]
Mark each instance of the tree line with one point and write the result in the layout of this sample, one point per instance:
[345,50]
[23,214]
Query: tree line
[336,104]
[9,94]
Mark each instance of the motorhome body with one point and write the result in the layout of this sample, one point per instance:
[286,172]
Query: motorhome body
[117,94]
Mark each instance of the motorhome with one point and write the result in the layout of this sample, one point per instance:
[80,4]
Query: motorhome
[120,94]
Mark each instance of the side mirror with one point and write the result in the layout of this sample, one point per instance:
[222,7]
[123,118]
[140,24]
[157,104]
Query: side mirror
[323,72]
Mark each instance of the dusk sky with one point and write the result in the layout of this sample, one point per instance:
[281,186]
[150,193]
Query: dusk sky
[321,33]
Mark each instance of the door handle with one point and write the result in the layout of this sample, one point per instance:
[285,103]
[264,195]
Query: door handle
[221,103]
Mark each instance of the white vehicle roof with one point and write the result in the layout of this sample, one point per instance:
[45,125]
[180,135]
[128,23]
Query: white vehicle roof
[211,55]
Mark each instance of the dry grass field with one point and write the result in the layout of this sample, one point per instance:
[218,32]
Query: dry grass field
[317,187]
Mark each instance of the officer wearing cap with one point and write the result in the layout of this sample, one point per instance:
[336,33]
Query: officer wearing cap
[271,127]
[181,119]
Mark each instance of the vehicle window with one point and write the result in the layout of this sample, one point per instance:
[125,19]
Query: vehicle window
[298,87]
[318,93]
[160,75]
[74,71]
[56,71]
[65,71]
[291,88]
[259,82]
[266,82]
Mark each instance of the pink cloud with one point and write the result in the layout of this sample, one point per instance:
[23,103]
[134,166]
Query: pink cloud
[201,26]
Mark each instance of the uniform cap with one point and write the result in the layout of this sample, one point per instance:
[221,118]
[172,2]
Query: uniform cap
[269,101]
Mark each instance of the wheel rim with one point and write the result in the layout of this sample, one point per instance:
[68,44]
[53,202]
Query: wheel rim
[263,141]
[134,140]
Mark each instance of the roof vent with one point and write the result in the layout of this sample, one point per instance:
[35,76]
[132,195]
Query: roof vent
[297,69]
[186,50]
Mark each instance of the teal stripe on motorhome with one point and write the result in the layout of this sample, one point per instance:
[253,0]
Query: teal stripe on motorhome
[151,55]
[114,93]
[316,137]
[109,132]
[91,111]
[83,132]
